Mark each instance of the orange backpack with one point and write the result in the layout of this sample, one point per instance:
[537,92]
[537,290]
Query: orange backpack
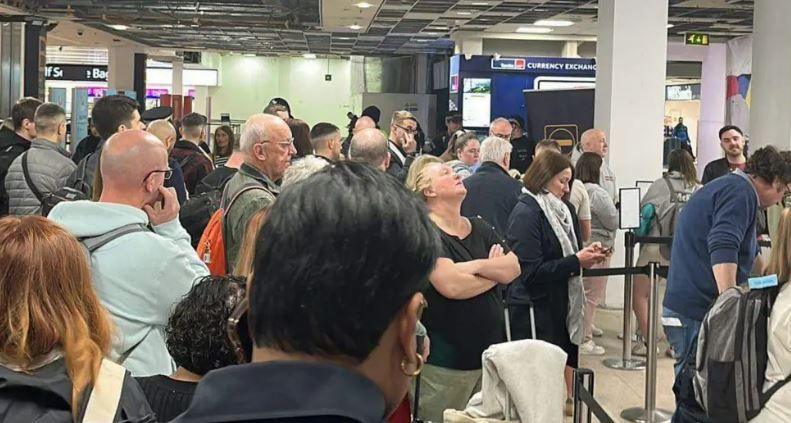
[211,248]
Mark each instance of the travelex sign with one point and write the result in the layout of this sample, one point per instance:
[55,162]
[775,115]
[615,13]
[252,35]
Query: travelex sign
[533,64]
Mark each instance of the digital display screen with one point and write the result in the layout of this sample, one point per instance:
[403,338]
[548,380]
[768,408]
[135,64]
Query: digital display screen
[477,102]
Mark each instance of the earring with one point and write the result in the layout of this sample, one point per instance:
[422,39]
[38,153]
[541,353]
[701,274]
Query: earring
[418,369]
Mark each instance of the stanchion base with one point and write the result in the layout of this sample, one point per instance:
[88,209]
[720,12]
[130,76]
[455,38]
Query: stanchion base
[641,415]
[621,364]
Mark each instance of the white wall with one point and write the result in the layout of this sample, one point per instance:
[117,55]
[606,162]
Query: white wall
[248,83]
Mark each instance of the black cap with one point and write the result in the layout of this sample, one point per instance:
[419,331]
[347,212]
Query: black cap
[161,112]
[517,120]
[373,112]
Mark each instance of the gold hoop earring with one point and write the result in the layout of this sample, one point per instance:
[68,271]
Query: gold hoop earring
[418,369]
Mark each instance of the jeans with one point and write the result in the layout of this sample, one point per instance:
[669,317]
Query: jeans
[681,332]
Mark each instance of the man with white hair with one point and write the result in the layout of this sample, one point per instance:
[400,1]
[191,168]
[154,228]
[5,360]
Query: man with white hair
[491,192]
[267,147]
[595,141]
[500,128]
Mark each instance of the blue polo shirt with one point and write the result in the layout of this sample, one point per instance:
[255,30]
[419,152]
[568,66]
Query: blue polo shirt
[716,226]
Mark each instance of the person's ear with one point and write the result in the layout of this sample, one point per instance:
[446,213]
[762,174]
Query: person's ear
[387,160]
[258,151]
[122,128]
[407,324]
[429,193]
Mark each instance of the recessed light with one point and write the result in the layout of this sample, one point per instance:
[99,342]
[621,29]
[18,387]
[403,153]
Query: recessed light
[670,26]
[363,5]
[355,27]
[421,41]
[552,22]
[464,13]
[119,27]
[480,3]
[248,55]
[534,30]
[309,56]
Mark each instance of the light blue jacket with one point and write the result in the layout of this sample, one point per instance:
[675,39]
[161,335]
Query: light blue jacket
[138,277]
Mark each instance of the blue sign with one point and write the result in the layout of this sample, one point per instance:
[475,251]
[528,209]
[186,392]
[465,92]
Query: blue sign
[79,116]
[762,282]
[525,65]
[509,64]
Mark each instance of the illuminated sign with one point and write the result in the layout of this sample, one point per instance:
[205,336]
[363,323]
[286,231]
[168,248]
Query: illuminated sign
[57,72]
[508,64]
[696,39]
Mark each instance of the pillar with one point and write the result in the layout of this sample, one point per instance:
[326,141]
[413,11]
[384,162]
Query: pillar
[713,98]
[771,87]
[11,53]
[35,58]
[139,76]
[178,77]
[631,54]
[120,69]
[468,46]
[570,49]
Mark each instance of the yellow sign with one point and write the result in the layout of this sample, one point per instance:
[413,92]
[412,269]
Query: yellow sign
[696,39]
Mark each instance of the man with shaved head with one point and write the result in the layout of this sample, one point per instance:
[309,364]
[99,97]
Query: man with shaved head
[142,262]
[364,122]
[166,132]
[370,146]
[267,147]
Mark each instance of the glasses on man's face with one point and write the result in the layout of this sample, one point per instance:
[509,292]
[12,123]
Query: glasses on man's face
[503,136]
[288,143]
[167,173]
[407,129]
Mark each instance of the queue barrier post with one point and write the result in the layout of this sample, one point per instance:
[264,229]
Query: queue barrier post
[626,362]
[650,414]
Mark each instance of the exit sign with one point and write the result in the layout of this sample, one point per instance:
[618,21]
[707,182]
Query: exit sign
[697,39]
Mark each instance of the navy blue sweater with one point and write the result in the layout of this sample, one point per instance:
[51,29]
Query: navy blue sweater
[716,226]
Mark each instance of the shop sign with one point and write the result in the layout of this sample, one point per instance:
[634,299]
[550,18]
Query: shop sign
[61,72]
[545,64]
[696,39]
[508,64]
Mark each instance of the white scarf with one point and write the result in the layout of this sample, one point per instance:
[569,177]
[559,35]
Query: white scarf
[559,218]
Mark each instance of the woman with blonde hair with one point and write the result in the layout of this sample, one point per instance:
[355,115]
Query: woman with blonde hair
[54,333]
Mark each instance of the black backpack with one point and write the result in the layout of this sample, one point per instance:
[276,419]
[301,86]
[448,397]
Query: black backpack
[7,155]
[197,211]
[50,199]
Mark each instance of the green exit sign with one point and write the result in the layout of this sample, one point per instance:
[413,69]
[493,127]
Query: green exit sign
[697,39]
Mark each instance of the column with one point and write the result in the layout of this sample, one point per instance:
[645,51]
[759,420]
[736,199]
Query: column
[11,53]
[468,46]
[631,54]
[713,92]
[139,76]
[771,86]
[35,58]
[570,49]
[178,77]
[120,69]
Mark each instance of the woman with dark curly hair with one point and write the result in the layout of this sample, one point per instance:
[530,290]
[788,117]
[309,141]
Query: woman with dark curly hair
[197,339]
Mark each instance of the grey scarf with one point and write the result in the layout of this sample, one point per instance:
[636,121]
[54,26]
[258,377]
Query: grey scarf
[559,218]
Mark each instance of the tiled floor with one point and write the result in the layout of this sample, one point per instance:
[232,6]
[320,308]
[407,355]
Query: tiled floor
[617,390]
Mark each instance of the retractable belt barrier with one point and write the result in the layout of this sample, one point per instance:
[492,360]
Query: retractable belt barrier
[583,394]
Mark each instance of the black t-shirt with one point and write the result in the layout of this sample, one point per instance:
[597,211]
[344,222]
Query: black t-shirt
[460,330]
[522,153]
[167,397]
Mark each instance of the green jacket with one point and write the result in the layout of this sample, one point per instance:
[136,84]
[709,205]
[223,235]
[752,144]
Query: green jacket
[245,206]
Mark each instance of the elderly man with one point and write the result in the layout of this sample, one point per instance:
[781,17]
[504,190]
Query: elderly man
[595,141]
[166,133]
[501,128]
[402,143]
[267,147]
[491,192]
[139,274]
[370,146]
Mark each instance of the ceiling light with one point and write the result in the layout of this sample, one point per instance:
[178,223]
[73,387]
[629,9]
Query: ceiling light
[309,56]
[534,30]
[670,26]
[363,5]
[552,22]
[248,55]
[480,3]
[355,27]
[119,27]
[464,13]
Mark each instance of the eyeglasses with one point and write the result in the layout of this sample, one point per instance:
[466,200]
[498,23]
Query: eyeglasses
[167,173]
[288,143]
[407,130]
[505,137]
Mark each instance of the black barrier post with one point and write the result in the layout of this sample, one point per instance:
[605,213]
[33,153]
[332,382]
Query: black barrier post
[626,362]
[583,394]
[650,414]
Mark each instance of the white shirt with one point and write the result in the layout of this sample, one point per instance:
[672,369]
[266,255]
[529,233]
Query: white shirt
[778,408]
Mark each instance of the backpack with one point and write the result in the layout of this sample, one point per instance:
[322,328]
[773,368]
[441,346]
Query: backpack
[196,212]
[7,155]
[50,199]
[731,357]
[79,178]
[211,248]
[667,214]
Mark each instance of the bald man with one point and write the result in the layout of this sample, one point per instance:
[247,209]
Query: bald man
[595,141]
[364,122]
[166,133]
[370,146]
[267,147]
[139,274]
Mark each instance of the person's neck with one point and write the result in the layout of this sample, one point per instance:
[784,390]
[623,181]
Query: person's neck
[447,215]
[24,135]
[235,160]
[195,141]
[261,168]
[736,159]
[185,375]
[115,197]
[266,355]
[51,138]
[326,153]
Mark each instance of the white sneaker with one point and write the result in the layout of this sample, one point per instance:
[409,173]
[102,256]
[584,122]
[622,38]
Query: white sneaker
[596,332]
[590,348]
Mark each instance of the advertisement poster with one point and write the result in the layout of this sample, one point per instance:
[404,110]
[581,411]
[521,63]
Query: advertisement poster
[477,100]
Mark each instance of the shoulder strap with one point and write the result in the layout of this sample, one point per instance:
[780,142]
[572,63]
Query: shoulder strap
[106,393]
[94,243]
[29,180]
[183,162]
[238,194]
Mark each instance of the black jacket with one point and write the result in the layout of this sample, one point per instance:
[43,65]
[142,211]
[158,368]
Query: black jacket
[715,169]
[522,154]
[398,168]
[86,146]
[45,395]
[11,146]
[491,194]
[545,270]
[293,392]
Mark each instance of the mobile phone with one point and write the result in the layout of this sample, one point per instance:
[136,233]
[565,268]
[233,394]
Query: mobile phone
[607,250]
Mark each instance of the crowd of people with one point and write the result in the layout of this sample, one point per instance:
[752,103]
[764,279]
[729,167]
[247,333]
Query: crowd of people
[327,273]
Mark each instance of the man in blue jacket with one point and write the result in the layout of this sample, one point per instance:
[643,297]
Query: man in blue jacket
[714,242]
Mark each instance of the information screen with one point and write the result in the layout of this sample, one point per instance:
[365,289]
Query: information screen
[477,102]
